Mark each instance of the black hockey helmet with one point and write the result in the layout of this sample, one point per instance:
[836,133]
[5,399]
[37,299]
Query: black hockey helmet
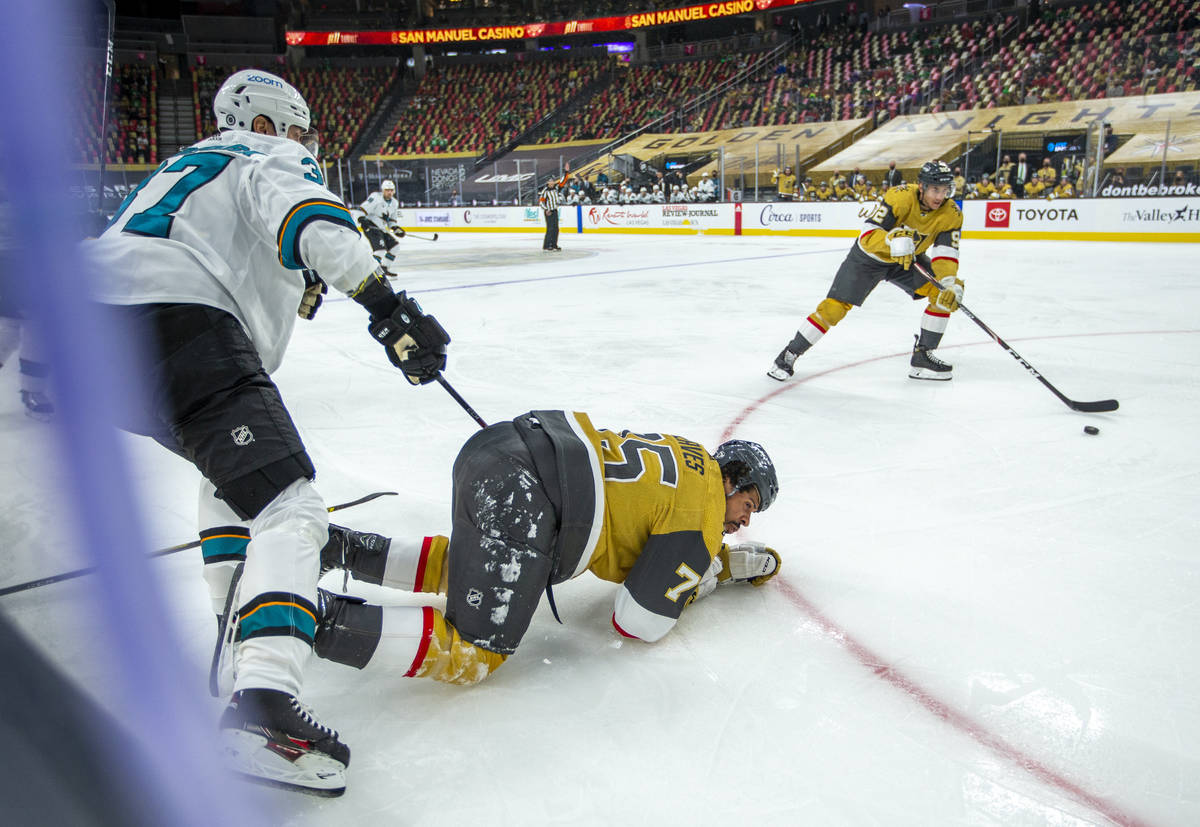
[936,173]
[747,464]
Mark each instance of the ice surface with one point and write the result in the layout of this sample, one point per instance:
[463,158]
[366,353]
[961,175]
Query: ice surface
[984,617]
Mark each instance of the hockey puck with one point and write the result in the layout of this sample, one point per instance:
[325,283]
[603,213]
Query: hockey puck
[1091,429]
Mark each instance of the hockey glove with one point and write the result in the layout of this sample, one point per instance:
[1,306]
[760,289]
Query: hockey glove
[415,343]
[710,580]
[949,297]
[901,246]
[397,230]
[314,289]
[748,562]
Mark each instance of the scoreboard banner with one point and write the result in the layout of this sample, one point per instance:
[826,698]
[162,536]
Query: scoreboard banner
[530,31]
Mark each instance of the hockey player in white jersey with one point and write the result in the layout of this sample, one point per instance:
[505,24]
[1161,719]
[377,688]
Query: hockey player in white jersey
[209,261]
[380,213]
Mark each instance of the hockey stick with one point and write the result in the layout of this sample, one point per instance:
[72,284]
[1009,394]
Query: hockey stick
[422,237]
[162,552]
[1102,406]
[470,411]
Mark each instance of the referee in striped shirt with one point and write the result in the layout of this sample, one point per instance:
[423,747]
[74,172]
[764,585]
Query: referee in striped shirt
[551,199]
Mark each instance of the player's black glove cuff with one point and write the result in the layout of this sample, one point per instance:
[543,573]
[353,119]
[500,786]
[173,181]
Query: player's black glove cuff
[415,343]
[376,295]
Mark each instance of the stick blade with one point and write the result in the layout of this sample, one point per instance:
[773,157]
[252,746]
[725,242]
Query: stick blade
[1103,406]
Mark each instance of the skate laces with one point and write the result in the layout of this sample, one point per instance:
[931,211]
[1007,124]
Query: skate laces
[309,718]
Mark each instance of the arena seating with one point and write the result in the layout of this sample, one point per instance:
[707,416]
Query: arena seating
[1073,51]
[341,100]
[133,117]
[467,108]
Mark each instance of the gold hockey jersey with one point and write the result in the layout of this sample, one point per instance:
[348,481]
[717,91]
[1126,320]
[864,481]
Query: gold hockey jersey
[936,233]
[658,520]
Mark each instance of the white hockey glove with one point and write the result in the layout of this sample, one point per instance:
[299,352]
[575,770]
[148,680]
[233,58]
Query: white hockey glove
[901,246]
[748,562]
[950,296]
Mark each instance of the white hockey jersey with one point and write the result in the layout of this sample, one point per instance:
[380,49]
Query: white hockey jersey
[230,222]
[382,213]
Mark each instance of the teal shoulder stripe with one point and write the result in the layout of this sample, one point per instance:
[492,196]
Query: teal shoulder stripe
[299,218]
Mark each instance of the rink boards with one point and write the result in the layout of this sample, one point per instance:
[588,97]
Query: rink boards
[1091,219]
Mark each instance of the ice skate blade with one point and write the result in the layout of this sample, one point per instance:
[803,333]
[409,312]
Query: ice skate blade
[312,773]
[779,374]
[932,375]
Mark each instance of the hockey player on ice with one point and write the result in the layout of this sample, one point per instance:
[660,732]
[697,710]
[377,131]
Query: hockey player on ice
[909,222]
[378,222]
[537,501]
[203,265]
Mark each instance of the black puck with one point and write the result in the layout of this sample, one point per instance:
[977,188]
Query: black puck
[1091,429]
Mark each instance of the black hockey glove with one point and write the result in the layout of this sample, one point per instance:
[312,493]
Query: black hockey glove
[415,343]
[314,289]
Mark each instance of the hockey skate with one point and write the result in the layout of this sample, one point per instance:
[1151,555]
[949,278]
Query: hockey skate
[927,366]
[37,406]
[784,365]
[272,739]
[359,553]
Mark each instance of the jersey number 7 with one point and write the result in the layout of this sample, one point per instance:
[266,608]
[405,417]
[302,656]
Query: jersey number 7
[198,169]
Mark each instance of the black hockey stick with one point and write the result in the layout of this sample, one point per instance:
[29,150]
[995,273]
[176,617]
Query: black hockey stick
[162,552]
[470,411]
[434,237]
[1102,406]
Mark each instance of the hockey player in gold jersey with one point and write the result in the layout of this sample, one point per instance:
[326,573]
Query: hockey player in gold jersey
[909,222]
[537,501]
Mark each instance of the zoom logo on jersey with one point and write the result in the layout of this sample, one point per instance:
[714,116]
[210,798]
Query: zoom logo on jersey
[998,214]
[242,435]
[266,80]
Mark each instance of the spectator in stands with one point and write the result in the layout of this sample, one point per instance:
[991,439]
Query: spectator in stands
[455,199]
[1118,177]
[960,183]
[1180,179]
[985,188]
[892,177]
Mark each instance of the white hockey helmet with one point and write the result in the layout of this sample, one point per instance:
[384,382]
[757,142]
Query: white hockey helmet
[251,92]
[388,185]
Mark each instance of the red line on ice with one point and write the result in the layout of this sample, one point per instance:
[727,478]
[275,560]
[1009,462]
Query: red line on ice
[893,676]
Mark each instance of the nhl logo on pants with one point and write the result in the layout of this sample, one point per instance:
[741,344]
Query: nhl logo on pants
[242,435]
